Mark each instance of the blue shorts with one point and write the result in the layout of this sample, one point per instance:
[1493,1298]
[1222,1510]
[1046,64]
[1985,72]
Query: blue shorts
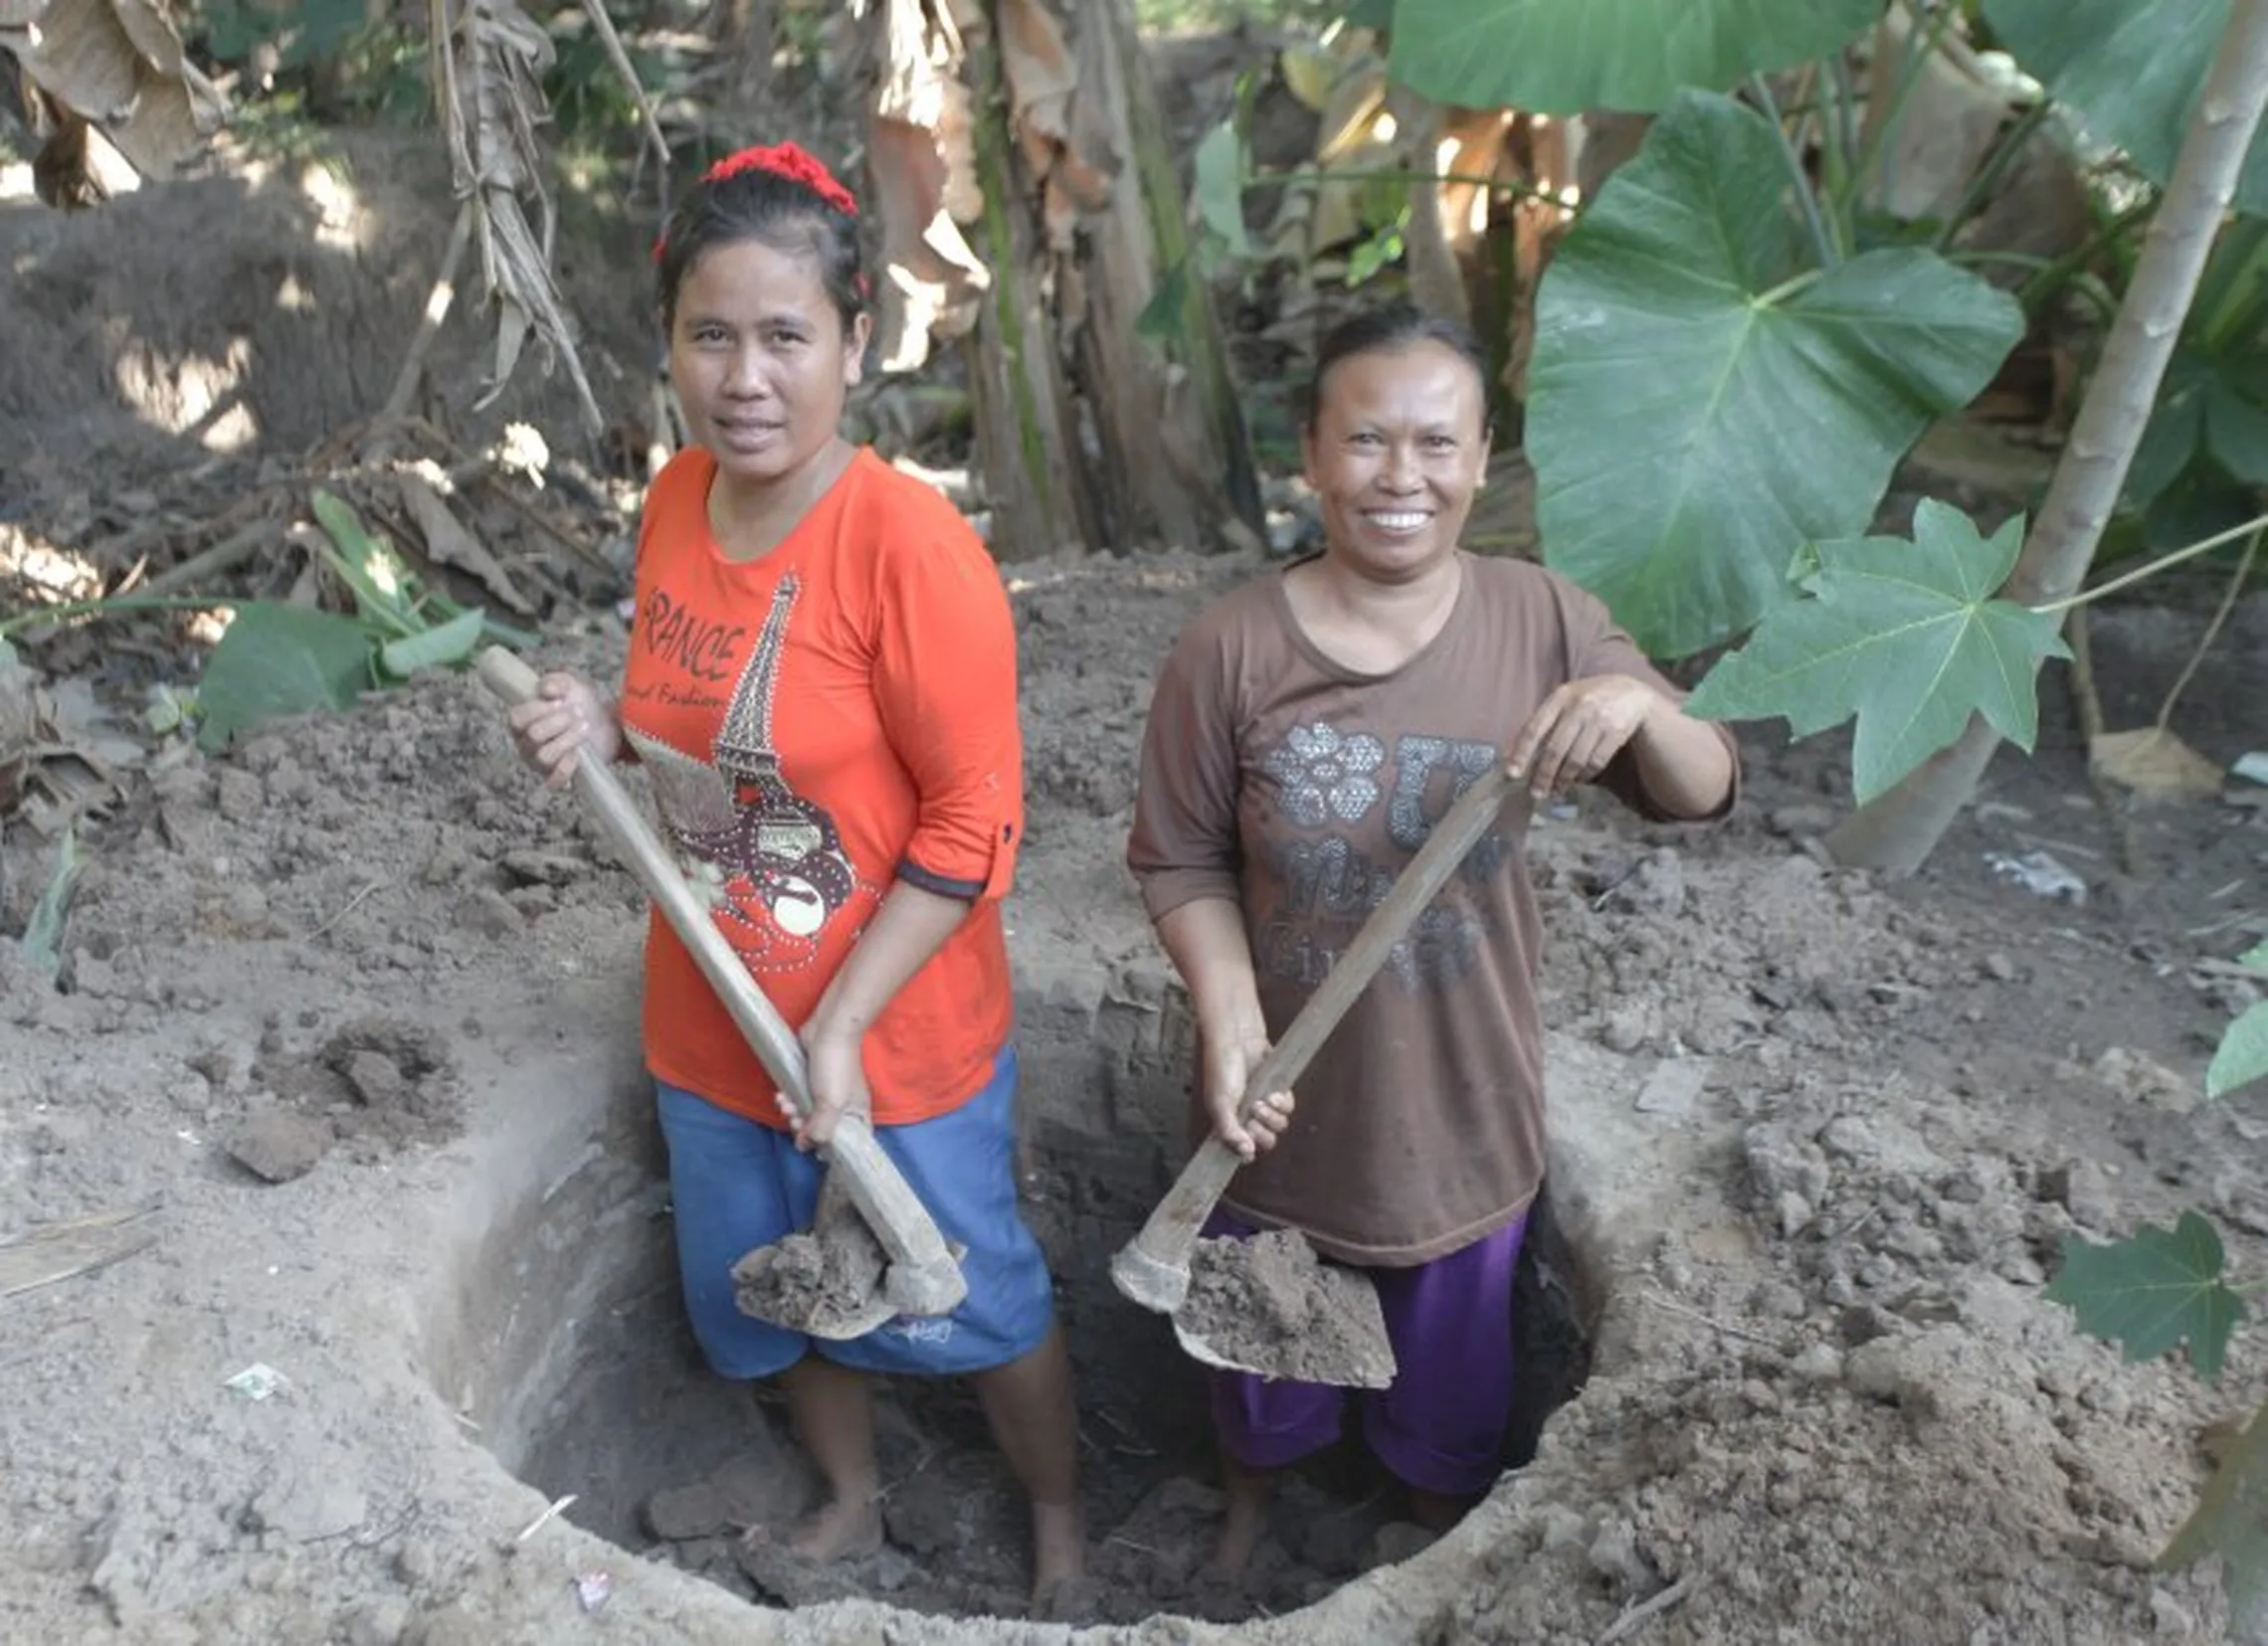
[738,1185]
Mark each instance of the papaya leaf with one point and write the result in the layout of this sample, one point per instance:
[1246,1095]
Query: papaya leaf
[442,647]
[2135,70]
[1905,636]
[2231,1521]
[278,660]
[1554,57]
[2153,1290]
[1701,403]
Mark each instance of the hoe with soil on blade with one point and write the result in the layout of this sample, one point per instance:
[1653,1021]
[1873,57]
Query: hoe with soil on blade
[874,1252]
[1252,1305]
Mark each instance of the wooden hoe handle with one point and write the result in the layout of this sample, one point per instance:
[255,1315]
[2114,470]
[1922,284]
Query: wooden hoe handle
[876,1187]
[1155,1265]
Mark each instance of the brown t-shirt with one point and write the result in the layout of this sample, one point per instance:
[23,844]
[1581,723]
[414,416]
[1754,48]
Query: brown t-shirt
[1300,789]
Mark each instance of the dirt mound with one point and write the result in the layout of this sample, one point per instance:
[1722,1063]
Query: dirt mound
[1820,1136]
[263,311]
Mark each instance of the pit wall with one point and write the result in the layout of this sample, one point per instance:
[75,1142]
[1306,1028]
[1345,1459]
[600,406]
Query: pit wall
[563,1212]
[558,1217]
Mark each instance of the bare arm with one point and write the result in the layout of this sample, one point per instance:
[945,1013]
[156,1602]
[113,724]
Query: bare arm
[1682,762]
[1205,940]
[944,687]
[911,925]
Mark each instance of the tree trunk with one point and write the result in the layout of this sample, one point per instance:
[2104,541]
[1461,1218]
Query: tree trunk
[1089,434]
[1019,394]
[1899,830]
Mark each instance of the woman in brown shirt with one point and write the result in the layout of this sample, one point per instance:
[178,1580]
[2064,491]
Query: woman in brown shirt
[1306,733]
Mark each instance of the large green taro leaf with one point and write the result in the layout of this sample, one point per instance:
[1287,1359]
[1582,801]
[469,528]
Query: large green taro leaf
[1696,415]
[1563,57]
[2134,71]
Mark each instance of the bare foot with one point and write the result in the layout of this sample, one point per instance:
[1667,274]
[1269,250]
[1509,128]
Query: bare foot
[1059,1552]
[842,1529]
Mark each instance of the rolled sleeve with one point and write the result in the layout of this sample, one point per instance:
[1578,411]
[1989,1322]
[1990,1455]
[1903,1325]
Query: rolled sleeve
[945,681]
[1183,844]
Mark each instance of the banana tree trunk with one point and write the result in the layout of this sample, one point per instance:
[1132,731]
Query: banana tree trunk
[1032,211]
[1021,397]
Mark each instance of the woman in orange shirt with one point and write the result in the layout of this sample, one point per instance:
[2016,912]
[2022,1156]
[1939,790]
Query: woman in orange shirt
[821,685]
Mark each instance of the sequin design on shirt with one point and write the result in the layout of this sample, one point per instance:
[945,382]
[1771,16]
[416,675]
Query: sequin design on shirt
[1344,849]
[772,860]
[1323,775]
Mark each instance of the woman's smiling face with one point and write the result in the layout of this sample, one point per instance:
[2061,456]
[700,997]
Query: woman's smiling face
[1395,451]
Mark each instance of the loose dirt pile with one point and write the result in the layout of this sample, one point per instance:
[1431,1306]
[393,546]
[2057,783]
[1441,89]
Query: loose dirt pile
[1819,1141]
[1271,1305]
[346,1019]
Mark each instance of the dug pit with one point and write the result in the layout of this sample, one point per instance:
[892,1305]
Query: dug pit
[566,1345]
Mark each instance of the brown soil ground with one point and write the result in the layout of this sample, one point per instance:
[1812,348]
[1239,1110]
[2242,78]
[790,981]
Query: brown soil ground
[351,1010]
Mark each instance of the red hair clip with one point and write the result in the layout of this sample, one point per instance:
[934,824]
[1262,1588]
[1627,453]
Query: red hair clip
[792,161]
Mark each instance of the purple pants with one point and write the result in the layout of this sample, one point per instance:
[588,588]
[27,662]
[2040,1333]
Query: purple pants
[1439,1426]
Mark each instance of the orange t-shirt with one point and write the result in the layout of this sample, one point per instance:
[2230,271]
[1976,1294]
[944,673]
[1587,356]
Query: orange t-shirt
[818,723]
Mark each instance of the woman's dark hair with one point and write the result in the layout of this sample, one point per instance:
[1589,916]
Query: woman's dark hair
[792,204]
[1390,330]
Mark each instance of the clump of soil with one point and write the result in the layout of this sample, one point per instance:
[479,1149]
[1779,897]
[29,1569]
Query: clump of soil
[278,1144]
[829,1272]
[378,1080]
[1269,1303]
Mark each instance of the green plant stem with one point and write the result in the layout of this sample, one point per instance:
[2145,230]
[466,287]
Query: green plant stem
[2212,629]
[1995,168]
[2219,539]
[1845,112]
[2092,289]
[1831,255]
[2233,298]
[2043,284]
[66,611]
[1834,152]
